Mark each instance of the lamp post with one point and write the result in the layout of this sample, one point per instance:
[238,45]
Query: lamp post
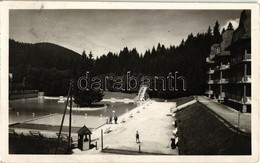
[113,113]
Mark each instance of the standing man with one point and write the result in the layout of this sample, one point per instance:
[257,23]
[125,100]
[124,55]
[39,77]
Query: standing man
[137,137]
[115,118]
[110,120]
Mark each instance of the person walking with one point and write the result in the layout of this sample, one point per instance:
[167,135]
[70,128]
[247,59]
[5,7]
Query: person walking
[173,142]
[106,120]
[137,137]
[110,120]
[115,118]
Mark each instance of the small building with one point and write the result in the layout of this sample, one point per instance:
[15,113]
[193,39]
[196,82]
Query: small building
[84,138]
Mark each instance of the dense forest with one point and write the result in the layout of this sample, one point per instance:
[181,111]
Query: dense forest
[42,66]
[49,67]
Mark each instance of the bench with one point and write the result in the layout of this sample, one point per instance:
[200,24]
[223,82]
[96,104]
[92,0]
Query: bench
[64,136]
[107,130]
[131,115]
[175,131]
[123,120]
[12,131]
[36,133]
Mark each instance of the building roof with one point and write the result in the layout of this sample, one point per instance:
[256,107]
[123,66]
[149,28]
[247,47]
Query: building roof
[244,29]
[84,131]
[227,38]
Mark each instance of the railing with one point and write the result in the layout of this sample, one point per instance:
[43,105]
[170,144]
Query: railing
[247,100]
[209,92]
[241,58]
[210,82]
[221,96]
[208,60]
[239,99]
[211,71]
[223,81]
[223,66]
[240,79]
[247,79]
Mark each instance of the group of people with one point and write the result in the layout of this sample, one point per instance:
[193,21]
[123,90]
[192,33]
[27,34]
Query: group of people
[109,121]
[174,138]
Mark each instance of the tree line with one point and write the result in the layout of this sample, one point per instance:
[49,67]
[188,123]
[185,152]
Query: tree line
[49,68]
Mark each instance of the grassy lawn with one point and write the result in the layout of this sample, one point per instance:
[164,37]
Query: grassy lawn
[201,133]
[34,145]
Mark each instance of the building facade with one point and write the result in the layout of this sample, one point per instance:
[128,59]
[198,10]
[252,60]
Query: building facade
[229,74]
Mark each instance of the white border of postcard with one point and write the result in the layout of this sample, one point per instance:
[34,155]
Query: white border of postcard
[7,5]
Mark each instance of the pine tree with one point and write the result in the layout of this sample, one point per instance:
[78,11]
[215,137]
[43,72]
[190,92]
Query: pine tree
[216,33]
[223,30]
[230,26]
[87,96]
[209,31]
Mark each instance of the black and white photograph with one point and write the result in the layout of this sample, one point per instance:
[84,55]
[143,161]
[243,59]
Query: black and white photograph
[129,82]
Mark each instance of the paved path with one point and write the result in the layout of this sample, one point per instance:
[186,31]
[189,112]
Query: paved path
[229,114]
[154,126]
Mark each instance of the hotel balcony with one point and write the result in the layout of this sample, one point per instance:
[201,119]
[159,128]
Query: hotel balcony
[210,82]
[245,79]
[247,100]
[209,92]
[223,81]
[240,79]
[242,58]
[208,60]
[211,71]
[221,96]
[217,68]
[224,66]
[240,99]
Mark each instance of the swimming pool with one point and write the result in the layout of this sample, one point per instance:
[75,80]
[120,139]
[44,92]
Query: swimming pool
[26,109]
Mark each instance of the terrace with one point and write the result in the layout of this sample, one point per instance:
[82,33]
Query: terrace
[209,92]
[240,99]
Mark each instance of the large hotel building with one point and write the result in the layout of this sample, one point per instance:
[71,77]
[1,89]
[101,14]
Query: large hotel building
[229,73]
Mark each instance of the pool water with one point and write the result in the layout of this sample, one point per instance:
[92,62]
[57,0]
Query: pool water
[26,109]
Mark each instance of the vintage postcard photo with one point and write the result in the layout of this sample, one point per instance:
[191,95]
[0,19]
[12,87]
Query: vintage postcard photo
[114,82]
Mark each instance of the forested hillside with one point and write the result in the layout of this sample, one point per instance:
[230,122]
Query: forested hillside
[43,66]
[49,68]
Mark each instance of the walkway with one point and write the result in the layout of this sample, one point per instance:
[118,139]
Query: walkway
[228,114]
[154,124]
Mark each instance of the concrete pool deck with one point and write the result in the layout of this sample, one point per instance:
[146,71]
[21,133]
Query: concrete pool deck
[151,121]
[77,120]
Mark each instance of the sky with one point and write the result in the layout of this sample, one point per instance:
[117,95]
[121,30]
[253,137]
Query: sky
[101,31]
